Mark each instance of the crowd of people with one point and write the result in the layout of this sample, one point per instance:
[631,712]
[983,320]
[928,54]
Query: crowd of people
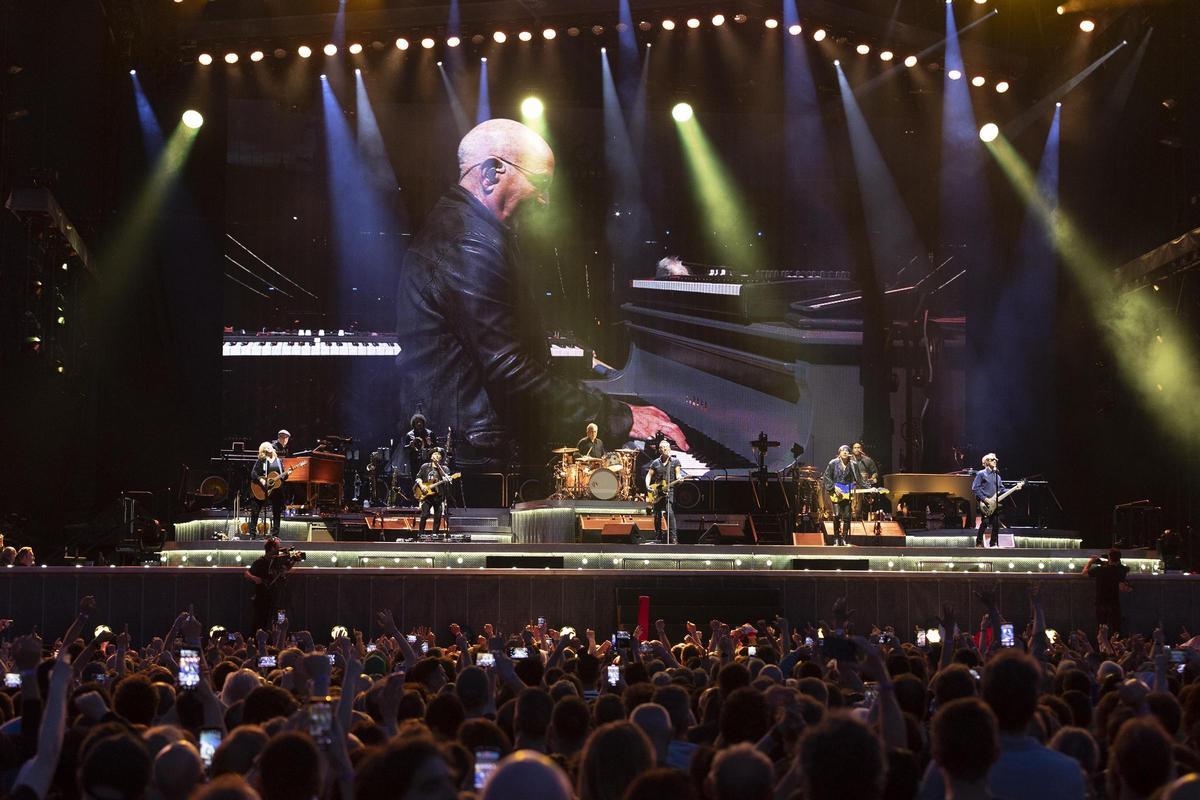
[831,710]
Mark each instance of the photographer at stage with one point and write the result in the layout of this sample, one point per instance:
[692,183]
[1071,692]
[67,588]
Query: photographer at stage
[268,573]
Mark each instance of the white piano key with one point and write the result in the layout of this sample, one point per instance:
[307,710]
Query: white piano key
[698,287]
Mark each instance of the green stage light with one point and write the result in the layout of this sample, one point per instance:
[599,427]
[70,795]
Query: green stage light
[532,108]
[193,118]
[682,112]
[989,132]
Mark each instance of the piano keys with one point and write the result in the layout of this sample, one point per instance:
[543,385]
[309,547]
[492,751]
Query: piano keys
[306,343]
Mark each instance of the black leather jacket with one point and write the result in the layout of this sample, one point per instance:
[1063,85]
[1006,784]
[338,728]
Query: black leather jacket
[474,354]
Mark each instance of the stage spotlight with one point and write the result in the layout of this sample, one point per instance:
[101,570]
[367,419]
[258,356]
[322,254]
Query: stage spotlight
[205,59]
[532,108]
[645,25]
[740,18]
[954,75]
[978,80]
[668,24]
[402,44]
[357,71]
[693,23]
[453,41]
[231,58]
[483,60]
[771,23]
[133,72]
[886,55]
[193,118]
[682,112]
[329,49]
[718,20]
[499,37]
[525,36]
[428,43]
[795,29]
[256,56]
[598,30]
[910,62]
[322,76]
[1058,104]
[549,34]
[439,64]
[1087,25]
[863,49]
[279,52]
[1002,87]
[819,35]
[837,63]
[355,49]
[1060,10]
[980,2]
[304,51]
[989,132]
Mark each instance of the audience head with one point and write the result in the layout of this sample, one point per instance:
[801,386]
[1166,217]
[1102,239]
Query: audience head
[614,755]
[841,759]
[966,739]
[527,773]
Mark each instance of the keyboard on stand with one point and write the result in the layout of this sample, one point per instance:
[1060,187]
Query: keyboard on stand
[307,343]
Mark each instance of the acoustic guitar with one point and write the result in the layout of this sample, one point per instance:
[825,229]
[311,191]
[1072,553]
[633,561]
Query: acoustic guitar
[274,480]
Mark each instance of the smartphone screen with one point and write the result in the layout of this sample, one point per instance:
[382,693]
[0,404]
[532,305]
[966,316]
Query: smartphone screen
[210,739]
[320,722]
[281,616]
[808,640]
[517,653]
[1006,635]
[371,648]
[485,660]
[266,661]
[412,639]
[424,648]
[751,651]
[12,680]
[920,638]
[614,675]
[541,622]
[485,765]
[1178,656]
[332,659]
[622,640]
[189,668]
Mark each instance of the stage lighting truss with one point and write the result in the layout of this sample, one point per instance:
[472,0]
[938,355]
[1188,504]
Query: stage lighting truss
[715,18]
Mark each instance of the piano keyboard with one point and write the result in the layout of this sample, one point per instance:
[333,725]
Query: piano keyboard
[700,287]
[305,343]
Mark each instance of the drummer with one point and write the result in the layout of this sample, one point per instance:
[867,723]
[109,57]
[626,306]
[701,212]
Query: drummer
[590,446]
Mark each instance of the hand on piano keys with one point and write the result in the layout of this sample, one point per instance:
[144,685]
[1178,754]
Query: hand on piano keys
[648,421]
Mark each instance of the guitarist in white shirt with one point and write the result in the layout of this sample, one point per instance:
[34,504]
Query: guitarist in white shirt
[661,477]
[989,489]
[268,462]
[431,472]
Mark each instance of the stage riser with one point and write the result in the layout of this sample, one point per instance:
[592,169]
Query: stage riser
[150,598]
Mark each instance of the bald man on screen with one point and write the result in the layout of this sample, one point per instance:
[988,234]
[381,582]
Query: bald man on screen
[474,353]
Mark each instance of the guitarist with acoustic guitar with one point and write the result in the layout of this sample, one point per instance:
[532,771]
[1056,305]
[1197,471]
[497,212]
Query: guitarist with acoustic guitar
[989,489]
[664,472]
[841,478]
[266,481]
[432,479]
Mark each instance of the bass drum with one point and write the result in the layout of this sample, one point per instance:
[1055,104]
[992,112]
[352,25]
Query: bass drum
[603,484]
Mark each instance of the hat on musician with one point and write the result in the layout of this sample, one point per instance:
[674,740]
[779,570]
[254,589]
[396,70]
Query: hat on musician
[283,434]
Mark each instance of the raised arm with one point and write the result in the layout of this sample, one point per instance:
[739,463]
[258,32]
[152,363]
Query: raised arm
[38,773]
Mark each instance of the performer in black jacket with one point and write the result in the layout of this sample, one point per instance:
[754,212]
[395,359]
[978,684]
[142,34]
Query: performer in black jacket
[841,471]
[435,503]
[591,444]
[475,355]
[417,443]
[268,461]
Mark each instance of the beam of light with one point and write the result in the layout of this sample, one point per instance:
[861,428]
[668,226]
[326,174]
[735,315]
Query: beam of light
[728,223]
[637,113]
[890,228]
[192,119]
[1022,369]
[152,138]
[628,221]
[816,224]
[627,56]
[371,148]
[965,226]
[1039,109]
[1152,350]
[682,112]
[456,107]
[483,106]
[136,229]
[1124,85]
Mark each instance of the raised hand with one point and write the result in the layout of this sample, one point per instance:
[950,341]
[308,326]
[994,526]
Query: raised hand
[87,606]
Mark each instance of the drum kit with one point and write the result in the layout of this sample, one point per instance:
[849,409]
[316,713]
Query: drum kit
[607,477]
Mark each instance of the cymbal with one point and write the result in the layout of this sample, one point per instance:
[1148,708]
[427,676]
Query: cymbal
[565,450]
[587,458]
[628,451]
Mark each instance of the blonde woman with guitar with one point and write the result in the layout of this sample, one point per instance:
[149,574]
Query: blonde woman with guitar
[266,479]
[989,490]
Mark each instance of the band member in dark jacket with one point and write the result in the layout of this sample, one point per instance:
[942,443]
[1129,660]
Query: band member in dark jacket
[432,472]
[987,486]
[268,579]
[417,443]
[841,471]
[663,472]
[591,444]
[268,461]
[475,355]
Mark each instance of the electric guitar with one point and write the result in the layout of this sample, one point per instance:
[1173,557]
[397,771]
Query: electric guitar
[989,505]
[845,491]
[274,481]
[658,490]
[421,489]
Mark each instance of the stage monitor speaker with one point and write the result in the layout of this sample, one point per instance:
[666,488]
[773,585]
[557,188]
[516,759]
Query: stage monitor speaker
[723,533]
[620,533]
[862,533]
